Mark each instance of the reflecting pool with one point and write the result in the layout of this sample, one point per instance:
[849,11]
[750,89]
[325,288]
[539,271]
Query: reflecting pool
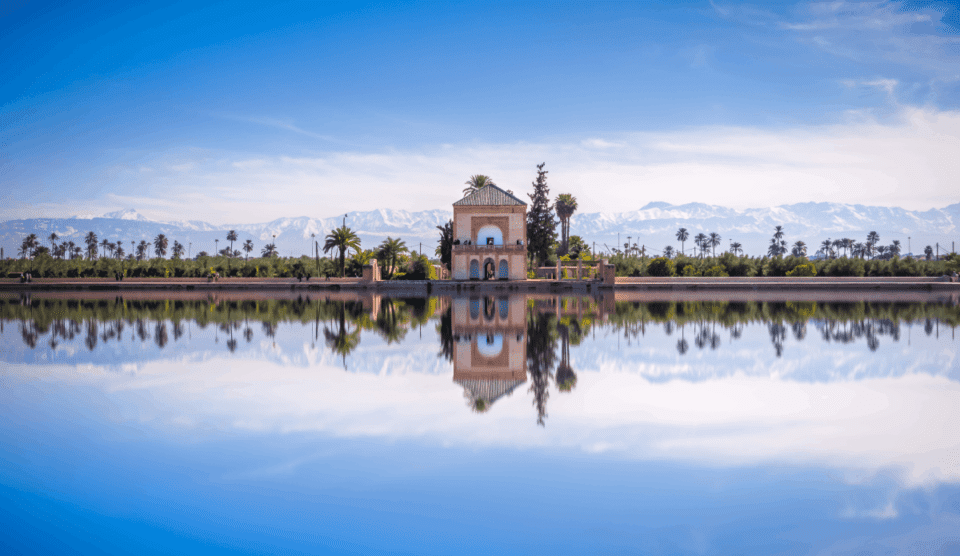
[495,423]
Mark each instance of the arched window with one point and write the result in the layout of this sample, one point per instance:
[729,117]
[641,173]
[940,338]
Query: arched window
[504,271]
[503,305]
[474,269]
[489,232]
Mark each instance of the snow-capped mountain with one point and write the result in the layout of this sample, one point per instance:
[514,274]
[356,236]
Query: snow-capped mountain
[655,226]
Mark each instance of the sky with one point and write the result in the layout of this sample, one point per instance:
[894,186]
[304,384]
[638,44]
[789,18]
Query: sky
[246,112]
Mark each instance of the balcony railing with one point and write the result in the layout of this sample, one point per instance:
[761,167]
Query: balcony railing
[508,247]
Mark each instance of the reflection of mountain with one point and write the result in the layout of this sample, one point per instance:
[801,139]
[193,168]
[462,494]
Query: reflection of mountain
[489,348]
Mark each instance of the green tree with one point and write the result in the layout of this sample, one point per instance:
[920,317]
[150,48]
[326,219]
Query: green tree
[91,241]
[682,236]
[231,237]
[714,242]
[342,238]
[566,205]
[160,245]
[872,239]
[177,249]
[736,248]
[578,248]
[248,247]
[269,250]
[702,242]
[476,183]
[53,237]
[388,252]
[541,223]
[142,250]
[668,251]
[445,245]
[799,249]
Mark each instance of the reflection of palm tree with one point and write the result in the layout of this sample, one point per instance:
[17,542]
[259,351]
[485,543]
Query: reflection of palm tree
[566,378]
[682,345]
[445,331]
[342,342]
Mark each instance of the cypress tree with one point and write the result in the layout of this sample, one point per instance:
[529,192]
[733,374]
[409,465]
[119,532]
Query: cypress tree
[541,221]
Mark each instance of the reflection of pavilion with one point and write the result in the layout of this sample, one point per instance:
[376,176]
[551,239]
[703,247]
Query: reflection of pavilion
[490,348]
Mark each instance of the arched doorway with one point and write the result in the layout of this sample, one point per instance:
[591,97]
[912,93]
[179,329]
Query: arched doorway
[504,271]
[474,269]
[489,270]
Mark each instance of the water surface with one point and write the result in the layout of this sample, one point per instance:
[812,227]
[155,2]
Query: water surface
[496,424]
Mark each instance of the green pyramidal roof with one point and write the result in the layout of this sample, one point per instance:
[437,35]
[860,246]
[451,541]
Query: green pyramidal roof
[490,195]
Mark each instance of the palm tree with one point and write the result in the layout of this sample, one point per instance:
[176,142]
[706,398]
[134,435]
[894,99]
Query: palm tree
[177,249]
[91,241]
[69,248]
[928,251]
[231,237]
[682,236]
[342,238]
[736,248]
[826,247]
[476,183]
[799,249]
[118,251]
[160,245]
[872,239]
[714,242]
[142,250]
[858,250]
[702,242]
[895,248]
[668,251]
[106,245]
[269,250]
[77,251]
[847,244]
[881,250]
[389,250]
[774,249]
[565,206]
[778,232]
[248,247]
[53,237]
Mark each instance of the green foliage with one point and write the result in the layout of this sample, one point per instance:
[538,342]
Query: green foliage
[541,221]
[662,266]
[804,270]
[272,267]
[419,268]
[690,270]
[716,271]
[842,267]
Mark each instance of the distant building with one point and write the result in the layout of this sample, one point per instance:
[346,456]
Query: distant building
[490,236]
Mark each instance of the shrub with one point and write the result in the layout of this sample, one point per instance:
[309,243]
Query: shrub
[661,266]
[716,271]
[690,270]
[844,267]
[803,270]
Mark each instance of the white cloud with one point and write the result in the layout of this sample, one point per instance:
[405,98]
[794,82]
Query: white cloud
[909,161]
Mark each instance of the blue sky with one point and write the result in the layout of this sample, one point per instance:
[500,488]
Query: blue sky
[238,112]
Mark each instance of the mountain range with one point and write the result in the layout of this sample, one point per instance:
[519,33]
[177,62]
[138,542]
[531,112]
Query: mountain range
[654,226]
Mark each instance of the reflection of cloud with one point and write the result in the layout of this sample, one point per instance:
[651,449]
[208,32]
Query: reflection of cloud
[906,423]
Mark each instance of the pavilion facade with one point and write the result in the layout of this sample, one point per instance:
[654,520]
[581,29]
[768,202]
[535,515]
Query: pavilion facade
[490,236]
